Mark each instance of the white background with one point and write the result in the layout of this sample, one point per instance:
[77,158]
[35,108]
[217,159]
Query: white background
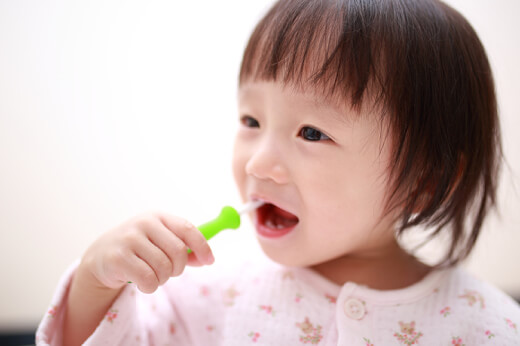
[113,108]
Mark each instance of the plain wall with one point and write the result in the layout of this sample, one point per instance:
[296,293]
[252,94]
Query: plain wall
[113,108]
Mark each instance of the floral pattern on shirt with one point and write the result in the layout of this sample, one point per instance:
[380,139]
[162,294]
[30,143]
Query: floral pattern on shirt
[250,303]
[312,334]
[268,309]
[473,297]
[53,310]
[368,343]
[254,336]
[456,341]
[288,275]
[331,298]
[408,335]
[446,311]
[230,295]
[205,291]
[111,315]
[511,324]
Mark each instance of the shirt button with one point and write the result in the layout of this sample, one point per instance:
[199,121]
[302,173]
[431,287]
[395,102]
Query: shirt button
[354,308]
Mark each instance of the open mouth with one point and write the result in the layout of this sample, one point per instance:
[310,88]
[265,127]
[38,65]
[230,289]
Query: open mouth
[273,221]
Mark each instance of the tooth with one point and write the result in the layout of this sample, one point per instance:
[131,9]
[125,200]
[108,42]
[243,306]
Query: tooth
[279,226]
[269,223]
[280,221]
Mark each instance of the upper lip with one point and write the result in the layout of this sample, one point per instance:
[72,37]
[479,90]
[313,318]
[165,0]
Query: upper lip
[269,200]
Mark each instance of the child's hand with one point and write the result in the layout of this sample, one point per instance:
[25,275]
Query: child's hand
[146,250]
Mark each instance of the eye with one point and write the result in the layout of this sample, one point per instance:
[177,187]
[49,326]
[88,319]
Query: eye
[311,134]
[249,121]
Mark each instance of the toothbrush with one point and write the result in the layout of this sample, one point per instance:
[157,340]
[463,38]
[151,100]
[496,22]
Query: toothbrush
[229,218]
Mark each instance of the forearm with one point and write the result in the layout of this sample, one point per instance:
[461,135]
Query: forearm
[87,304]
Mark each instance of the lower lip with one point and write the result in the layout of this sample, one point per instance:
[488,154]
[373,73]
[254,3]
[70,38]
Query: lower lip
[267,232]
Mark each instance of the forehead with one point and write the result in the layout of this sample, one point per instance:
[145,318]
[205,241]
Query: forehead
[304,100]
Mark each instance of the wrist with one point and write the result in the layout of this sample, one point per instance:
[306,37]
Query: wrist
[87,303]
[87,282]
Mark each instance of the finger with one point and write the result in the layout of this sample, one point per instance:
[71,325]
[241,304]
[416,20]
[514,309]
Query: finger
[173,247]
[155,258]
[193,261]
[141,274]
[190,235]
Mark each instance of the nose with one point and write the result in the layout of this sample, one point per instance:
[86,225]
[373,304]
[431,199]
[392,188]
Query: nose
[267,163]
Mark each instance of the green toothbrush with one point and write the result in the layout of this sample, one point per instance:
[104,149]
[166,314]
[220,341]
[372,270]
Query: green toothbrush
[229,218]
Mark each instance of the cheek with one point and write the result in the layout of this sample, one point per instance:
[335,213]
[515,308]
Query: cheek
[323,193]
[238,165]
[343,193]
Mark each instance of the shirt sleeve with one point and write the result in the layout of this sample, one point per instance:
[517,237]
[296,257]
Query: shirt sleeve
[133,319]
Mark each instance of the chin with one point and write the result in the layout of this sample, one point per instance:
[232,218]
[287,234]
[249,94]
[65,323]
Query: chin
[286,258]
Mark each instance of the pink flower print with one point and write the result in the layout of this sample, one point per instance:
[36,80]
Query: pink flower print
[254,336]
[229,296]
[311,334]
[473,297]
[408,335]
[268,309]
[368,342]
[446,311]
[298,297]
[173,329]
[210,328]
[111,315]
[456,341]
[511,324]
[330,298]
[53,310]
[489,334]
[204,291]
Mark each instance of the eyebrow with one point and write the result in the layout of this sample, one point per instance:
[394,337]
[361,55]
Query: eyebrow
[338,112]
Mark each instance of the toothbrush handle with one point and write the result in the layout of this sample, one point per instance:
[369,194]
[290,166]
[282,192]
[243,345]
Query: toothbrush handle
[228,218]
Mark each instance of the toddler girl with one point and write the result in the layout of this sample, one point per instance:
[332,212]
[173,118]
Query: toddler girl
[359,120]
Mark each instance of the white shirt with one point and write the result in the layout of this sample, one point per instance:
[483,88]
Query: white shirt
[275,305]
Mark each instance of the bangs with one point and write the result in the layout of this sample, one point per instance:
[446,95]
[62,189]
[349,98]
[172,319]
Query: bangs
[318,44]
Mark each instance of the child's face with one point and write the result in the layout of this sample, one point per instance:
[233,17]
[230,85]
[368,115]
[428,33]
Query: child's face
[326,172]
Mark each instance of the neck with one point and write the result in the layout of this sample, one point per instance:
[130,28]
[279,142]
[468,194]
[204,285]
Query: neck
[387,269]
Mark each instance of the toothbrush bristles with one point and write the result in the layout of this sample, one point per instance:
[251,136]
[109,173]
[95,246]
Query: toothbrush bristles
[249,206]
